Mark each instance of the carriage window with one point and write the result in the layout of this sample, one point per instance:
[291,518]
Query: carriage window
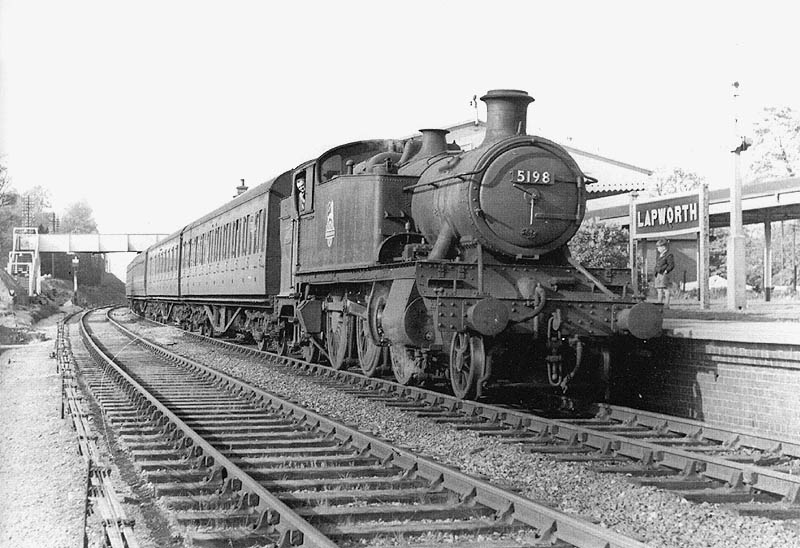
[235,239]
[246,239]
[261,236]
[259,223]
[253,232]
[240,237]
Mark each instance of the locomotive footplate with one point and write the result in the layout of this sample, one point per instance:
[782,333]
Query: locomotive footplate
[516,298]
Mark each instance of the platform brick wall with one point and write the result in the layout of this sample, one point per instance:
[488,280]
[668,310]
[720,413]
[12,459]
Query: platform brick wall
[756,386]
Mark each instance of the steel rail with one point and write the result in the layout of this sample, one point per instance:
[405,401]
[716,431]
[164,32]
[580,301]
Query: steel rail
[99,490]
[552,524]
[760,478]
[276,515]
[690,427]
[786,486]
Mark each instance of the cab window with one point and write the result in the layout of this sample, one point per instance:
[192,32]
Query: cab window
[303,188]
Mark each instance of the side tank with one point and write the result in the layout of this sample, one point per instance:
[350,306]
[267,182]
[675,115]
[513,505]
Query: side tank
[519,196]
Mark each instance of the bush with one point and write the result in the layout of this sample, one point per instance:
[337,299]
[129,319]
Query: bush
[598,245]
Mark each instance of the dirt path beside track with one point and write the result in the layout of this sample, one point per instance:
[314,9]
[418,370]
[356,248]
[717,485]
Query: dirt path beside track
[41,474]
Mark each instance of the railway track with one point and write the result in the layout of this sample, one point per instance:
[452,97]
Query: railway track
[240,466]
[750,474]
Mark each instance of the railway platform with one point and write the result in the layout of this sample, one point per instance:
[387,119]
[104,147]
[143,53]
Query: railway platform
[730,368]
[761,323]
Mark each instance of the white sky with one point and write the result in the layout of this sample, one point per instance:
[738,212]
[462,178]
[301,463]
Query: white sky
[153,111]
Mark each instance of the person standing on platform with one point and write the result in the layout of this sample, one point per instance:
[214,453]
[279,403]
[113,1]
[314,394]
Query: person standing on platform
[665,263]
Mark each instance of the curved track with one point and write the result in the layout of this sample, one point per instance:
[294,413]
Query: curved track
[753,474]
[238,465]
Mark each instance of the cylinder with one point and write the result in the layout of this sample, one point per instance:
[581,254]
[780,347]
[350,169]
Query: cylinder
[488,316]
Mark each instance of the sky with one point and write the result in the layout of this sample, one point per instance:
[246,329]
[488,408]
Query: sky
[154,111]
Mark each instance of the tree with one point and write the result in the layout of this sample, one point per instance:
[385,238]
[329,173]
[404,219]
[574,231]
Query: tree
[673,180]
[18,210]
[5,187]
[718,252]
[599,245]
[775,154]
[31,206]
[754,256]
[78,218]
[29,209]
[776,149]
[8,217]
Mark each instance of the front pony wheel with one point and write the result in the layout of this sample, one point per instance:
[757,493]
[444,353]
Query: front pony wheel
[467,365]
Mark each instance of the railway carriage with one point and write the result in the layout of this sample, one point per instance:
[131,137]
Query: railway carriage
[135,278]
[162,268]
[409,254]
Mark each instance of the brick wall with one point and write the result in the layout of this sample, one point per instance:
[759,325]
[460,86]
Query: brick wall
[755,386]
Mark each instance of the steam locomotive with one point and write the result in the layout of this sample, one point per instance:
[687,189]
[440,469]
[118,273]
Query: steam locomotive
[437,262]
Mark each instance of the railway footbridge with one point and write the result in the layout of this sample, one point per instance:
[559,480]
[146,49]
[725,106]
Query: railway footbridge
[24,259]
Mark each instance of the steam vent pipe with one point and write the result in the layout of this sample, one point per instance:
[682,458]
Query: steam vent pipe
[506,114]
[433,142]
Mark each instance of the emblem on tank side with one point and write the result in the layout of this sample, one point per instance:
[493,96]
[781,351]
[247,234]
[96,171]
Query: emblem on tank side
[330,230]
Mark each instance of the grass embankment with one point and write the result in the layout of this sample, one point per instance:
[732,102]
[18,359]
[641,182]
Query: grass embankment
[17,321]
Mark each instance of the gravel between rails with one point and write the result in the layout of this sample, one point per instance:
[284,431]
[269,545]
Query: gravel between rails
[657,517]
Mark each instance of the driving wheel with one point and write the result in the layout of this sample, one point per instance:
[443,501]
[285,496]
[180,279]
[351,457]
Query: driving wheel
[370,355]
[337,337]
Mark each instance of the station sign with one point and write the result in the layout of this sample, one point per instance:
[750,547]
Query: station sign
[669,216]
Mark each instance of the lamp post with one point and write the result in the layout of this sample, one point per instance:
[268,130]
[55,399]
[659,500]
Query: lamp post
[75,276]
[737,298]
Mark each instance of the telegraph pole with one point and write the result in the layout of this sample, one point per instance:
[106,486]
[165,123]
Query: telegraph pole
[28,211]
[737,298]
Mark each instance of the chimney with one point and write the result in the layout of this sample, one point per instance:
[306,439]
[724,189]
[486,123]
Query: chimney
[506,114]
[433,142]
[241,189]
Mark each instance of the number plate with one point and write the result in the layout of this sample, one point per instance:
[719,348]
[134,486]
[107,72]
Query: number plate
[532,177]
